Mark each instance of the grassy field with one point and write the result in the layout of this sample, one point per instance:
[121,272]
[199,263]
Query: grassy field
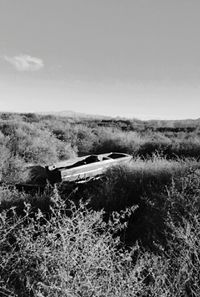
[136,232]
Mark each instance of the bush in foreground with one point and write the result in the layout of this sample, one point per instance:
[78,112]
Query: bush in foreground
[74,253]
[158,187]
[65,256]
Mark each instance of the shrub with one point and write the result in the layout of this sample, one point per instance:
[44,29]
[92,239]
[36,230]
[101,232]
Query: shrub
[34,144]
[145,184]
[66,256]
[13,170]
[125,185]
[38,145]
[112,140]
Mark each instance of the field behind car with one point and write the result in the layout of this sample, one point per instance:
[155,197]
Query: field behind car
[136,232]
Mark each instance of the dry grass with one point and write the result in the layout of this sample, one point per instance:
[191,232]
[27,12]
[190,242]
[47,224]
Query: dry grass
[74,253]
[145,241]
[65,256]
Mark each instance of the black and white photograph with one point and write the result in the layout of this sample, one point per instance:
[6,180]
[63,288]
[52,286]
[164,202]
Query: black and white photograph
[99,148]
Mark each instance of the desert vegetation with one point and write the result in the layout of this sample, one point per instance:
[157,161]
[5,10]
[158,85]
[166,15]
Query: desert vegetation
[135,232]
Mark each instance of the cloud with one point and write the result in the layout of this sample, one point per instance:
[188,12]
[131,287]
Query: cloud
[25,62]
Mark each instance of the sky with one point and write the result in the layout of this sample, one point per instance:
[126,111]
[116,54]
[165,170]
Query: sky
[130,58]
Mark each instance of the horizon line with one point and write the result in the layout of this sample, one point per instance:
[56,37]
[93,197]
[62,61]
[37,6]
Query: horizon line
[77,113]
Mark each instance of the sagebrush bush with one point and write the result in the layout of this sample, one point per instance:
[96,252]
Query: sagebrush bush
[64,256]
[112,140]
[13,170]
[73,253]
[145,184]
[34,144]
[125,184]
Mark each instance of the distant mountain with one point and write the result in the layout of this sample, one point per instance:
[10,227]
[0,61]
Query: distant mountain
[74,114]
[159,122]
